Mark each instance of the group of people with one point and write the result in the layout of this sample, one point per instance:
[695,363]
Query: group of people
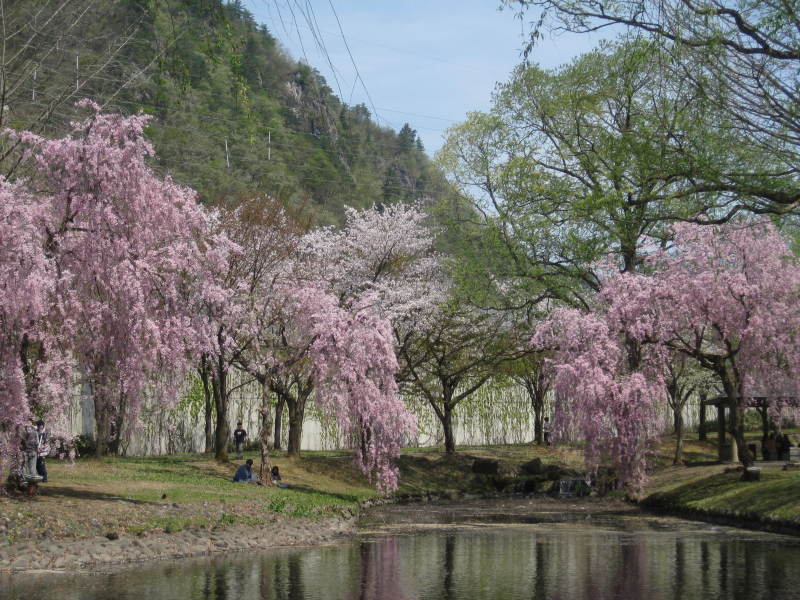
[245,474]
[776,446]
[35,446]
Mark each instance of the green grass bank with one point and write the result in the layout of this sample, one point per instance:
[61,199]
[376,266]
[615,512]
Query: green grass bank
[704,489]
[142,496]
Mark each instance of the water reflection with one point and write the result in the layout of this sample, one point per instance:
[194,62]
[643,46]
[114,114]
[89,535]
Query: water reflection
[552,561]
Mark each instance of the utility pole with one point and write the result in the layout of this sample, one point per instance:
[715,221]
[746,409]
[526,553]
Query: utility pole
[227,160]
[77,72]
[33,87]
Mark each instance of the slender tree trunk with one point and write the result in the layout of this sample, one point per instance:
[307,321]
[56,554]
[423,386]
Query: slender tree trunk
[219,386]
[102,423]
[265,410]
[208,404]
[297,409]
[447,426]
[701,434]
[295,428]
[737,431]
[117,423]
[730,383]
[677,418]
[279,406]
[208,426]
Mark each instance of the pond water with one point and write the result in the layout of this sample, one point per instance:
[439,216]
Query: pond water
[469,551]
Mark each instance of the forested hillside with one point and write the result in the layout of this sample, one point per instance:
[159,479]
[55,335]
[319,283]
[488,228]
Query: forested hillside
[234,115]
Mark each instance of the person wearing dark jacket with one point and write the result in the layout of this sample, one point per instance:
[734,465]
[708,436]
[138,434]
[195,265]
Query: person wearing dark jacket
[244,474]
[239,437]
[30,446]
[783,447]
[42,449]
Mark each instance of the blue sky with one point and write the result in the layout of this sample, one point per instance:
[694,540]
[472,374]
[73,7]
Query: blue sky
[425,63]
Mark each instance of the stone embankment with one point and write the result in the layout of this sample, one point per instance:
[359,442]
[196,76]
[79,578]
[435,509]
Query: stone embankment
[99,551]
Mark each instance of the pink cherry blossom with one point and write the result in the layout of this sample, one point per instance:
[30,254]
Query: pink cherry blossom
[725,295]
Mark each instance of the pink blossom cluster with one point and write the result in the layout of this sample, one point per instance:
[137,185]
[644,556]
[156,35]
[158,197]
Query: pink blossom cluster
[354,364]
[104,265]
[598,398]
[387,252]
[726,296]
[114,271]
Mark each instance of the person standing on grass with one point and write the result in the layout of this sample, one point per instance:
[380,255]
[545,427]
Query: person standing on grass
[239,436]
[546,431]
[42,449]
[30,445]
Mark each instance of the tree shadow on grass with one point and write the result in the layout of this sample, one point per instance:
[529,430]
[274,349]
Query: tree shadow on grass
[700,463]
[68,492]
[188,472]
[727,492]
[309,490]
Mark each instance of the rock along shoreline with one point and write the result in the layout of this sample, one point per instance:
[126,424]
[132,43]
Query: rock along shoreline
[97,552]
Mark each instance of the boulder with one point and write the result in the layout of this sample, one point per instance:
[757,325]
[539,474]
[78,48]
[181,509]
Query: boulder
[485,466]
[533,467]
[554,472]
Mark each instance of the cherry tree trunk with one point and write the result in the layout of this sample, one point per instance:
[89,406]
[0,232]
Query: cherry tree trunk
[737,431]
[117,423]
[208,406]
[209,425]
[279,406]
[537,403]
[730,383]
[447,427]
[219,385]
[103,425]
[295,431]
[677,419]
[297,409]
[264,473]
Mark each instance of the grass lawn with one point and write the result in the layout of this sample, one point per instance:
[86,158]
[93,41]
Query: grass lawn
[169,493]
[702,485]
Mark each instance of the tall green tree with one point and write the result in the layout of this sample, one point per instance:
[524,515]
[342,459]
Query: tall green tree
[590,161]
[748,50]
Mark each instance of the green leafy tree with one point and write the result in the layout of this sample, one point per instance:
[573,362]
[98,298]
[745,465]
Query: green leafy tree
[743,56]
[586,162]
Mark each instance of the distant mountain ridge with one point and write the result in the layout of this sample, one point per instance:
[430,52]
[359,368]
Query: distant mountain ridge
[234,115]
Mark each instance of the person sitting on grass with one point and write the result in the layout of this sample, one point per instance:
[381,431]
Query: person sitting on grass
[276,477]
[244,474]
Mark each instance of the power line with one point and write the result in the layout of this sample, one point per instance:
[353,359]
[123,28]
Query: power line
[352,60]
